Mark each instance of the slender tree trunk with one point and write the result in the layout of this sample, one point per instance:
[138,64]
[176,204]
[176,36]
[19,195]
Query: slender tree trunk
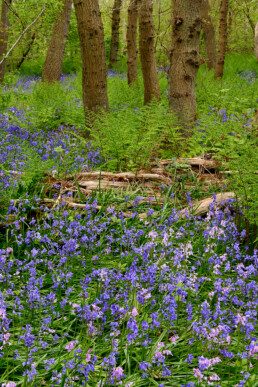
[114,45]
[4,25]
[255,119]
[209,35]
[94,69]
[256,41]
[25,53]
[222,39]
[124,27]
[147,51]
[249,18]
[184,60]
[229,20]
[131,38]
[53,64]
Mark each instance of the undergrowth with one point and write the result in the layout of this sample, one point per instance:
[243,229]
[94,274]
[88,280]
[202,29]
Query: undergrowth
[132,135]
[99,297]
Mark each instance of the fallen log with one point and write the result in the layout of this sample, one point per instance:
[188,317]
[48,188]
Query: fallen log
[202,207]
[120,176]
[200,162]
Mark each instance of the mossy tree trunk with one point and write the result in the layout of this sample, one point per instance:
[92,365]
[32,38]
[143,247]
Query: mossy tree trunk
[209,35]
[94,69]
[131,38]
[223,33]
[147,51]
[184,60]
[124,25]
[4,25]
[256,41]
[54,60]
[114,45]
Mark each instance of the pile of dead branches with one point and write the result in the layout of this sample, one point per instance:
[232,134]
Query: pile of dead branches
[74,191]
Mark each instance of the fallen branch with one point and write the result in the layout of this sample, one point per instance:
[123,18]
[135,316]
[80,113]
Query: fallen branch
[121,176]
[194,161]
[202,207]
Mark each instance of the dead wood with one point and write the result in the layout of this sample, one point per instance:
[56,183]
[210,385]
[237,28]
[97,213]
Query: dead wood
[202,207]
[201,171]
[193,162]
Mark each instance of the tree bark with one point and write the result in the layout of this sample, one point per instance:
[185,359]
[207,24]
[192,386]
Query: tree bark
[124,27]
[209,34]
[94,69]
[222,39]
[53,64]
[131,38]
[256,42]
[4,25]
[184,60]
[249,18]
[147,51]
[114,45]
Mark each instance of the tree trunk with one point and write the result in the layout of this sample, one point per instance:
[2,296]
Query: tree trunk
[147,51]
[222,39]
[114,45]
[124,27]
[249,18]
[53,64]
[25,53]
[131,38]
[94,69]
[184,60]
[256,41]
[4,25]
[209,35]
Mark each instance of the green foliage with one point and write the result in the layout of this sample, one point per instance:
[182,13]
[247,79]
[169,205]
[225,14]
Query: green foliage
[236,92]
[226,109]
[131,138]
[233,141]
[244,179]
[50,105]
[5,99]
[33,67]
[29,182]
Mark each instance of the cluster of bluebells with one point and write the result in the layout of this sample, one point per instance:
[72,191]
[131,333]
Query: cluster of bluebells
[26,83]
[58,150]
[115,74]
[249,76]
[106,299]
[222,116]
[224,124]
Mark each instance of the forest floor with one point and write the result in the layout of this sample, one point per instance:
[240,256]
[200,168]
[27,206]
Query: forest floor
[137,267]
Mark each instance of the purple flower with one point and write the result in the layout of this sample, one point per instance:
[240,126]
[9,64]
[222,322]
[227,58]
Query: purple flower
[189,358]
[118,373]
[144,365]
[70,346]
